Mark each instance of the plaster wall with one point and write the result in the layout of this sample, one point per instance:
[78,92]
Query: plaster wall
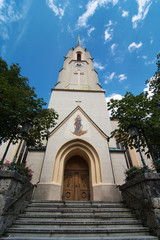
[93,103]
[119,166]
[135,156]
[11,151]
[106,192]
[35,162]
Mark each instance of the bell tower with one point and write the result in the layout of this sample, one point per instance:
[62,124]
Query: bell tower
[78,71]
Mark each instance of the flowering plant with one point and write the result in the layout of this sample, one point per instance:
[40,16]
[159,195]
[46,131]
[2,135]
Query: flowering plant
[136,171]
[156,166]
[20,168]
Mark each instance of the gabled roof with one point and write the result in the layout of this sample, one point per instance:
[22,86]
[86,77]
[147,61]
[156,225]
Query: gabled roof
[86,115]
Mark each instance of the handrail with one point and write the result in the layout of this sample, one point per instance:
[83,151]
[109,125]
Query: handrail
[15,201]
[139,200]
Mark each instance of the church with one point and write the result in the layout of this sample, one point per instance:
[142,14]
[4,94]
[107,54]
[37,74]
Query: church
[80,161]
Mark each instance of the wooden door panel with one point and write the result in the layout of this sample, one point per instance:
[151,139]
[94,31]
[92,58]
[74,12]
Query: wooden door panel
[76,180]
[76,186]
[84,181]
[83,186]
[83,195]
[68,193]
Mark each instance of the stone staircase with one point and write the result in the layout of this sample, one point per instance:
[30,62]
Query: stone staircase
[76,221]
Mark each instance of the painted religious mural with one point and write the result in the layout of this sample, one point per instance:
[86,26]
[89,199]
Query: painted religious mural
[78,126]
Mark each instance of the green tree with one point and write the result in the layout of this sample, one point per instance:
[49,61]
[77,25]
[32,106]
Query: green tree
[19,103]
[142,111]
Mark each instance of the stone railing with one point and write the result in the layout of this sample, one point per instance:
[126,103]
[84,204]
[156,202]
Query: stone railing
[142,195]
[15,194]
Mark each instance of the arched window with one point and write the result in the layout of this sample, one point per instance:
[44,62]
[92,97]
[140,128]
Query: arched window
[78,56]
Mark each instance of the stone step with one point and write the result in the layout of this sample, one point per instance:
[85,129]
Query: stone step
[80,224]
[77,205]
[82,209]
[76,202]
[129,237]
[77,211]
[51,205]
[76,232]
[75,217]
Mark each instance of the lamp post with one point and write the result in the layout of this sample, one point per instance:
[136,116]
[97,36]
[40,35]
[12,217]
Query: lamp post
[133,132]
[26,126]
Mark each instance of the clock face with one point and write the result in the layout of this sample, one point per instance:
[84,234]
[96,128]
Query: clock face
[78,64]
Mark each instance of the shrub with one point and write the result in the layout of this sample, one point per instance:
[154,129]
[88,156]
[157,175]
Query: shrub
[20,168]
[136,171]
[156,166]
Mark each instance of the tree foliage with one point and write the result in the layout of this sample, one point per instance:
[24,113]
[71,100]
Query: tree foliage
[142,111]
[19,103]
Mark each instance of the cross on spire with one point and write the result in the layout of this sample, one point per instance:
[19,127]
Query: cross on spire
[79,43]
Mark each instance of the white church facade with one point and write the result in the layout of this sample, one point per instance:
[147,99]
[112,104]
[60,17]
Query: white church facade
[80,161]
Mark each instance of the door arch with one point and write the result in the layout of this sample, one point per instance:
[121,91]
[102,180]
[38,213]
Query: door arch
[76,180]
[81,148]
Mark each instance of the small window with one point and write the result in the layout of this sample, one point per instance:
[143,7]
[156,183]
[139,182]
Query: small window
[78,56]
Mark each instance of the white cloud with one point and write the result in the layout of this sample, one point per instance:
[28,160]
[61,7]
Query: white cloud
[1,3]
[133,46]
[143,8]
[109,78]
[119,59]
[113,48]
[91,7]
[70,30]
[122,77]
[150,62]
[98,65]
[3,51]
[90,31]
[125,13]
[115,96]
[108,34]
[115,2]
[4,32]
[109,23]
[146,61]
[59,11]
[151,40]
[9,14]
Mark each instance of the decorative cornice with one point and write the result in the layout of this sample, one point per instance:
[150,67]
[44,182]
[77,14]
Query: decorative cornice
[78,61]
[77,90]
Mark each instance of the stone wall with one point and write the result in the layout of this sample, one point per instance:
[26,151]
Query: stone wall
[12,186]
[142,194]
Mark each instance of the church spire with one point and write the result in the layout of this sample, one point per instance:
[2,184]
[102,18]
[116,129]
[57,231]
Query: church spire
[79,43]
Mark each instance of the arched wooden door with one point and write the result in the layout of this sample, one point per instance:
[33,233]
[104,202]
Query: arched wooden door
[76,180]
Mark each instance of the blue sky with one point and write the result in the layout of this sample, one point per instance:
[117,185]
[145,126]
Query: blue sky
[122,36]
